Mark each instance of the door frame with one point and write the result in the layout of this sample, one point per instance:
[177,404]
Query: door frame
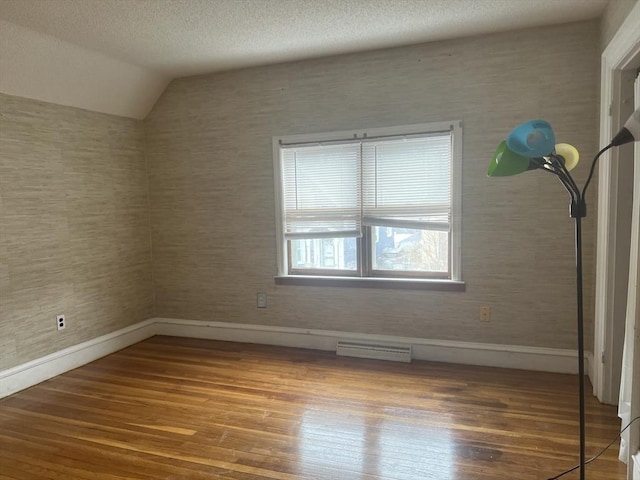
[617,56]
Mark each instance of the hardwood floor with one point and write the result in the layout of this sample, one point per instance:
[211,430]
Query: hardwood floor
[172,408]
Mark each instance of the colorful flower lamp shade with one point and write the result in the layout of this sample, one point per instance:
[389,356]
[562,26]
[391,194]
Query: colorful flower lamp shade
[533,139]
[506,162]
[532,146]
[569,154]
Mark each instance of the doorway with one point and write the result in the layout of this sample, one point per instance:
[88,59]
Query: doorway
[617,295]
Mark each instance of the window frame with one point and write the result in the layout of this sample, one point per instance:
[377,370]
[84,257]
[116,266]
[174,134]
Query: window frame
[364,275]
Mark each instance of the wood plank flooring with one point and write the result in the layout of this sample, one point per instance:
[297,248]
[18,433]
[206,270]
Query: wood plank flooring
[172,408]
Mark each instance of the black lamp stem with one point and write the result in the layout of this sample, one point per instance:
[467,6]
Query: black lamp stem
[577,211]
[578,223]
[555,164]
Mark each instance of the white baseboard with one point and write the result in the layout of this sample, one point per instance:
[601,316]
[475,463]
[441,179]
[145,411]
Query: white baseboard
[636,466]
[31,373]
[493,355]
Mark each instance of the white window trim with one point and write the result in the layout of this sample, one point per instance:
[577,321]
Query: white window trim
[282,267]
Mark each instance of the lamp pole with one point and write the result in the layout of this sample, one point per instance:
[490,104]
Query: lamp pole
[577,211]
[530,146]
[555,164]
[578,241]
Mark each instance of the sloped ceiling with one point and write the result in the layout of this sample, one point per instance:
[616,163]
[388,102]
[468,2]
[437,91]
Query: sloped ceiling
[117,56]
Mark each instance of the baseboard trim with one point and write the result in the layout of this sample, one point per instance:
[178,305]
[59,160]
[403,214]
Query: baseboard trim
[31,373]
[23,376]
[636,466]
[491,355]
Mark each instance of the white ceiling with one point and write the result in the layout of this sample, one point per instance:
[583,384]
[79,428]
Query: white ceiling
[116,56]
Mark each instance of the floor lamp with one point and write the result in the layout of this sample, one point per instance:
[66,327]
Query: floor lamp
[532,146]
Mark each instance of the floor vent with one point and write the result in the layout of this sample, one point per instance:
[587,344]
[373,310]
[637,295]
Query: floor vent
[378,351]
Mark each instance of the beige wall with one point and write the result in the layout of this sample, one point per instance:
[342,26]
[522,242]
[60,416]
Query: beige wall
[612,18]
[212,195]
[74,227]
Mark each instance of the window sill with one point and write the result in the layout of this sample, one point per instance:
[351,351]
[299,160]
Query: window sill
[373,282]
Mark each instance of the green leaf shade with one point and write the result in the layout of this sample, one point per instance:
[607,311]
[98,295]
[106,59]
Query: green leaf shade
[506,163]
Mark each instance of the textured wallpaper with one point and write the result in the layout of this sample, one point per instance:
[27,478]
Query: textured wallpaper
[211,185]
[74,227]
[74,208]
[612,18]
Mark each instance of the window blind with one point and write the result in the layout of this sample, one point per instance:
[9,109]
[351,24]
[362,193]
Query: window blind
[407,182]
[322,190]
[332,189]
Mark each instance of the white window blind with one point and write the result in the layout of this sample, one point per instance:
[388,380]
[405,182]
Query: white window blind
[322,190]
[331,190]
[407,181]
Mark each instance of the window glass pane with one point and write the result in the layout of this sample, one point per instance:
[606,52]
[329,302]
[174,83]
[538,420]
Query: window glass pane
[410,250]
[324,253]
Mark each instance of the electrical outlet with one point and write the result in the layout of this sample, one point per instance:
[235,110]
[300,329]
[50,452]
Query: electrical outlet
[262,300]
[485,314]
[61,322]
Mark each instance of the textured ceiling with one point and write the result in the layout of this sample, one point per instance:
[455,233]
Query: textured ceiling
[175,38]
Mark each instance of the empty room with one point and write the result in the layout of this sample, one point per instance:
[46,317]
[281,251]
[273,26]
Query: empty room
[320,239]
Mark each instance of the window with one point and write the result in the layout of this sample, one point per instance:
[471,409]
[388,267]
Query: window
[381,203]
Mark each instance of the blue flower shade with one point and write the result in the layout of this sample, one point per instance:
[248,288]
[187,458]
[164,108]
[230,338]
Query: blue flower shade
[532,139]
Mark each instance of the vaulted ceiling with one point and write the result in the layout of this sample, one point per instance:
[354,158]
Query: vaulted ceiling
[117,56]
